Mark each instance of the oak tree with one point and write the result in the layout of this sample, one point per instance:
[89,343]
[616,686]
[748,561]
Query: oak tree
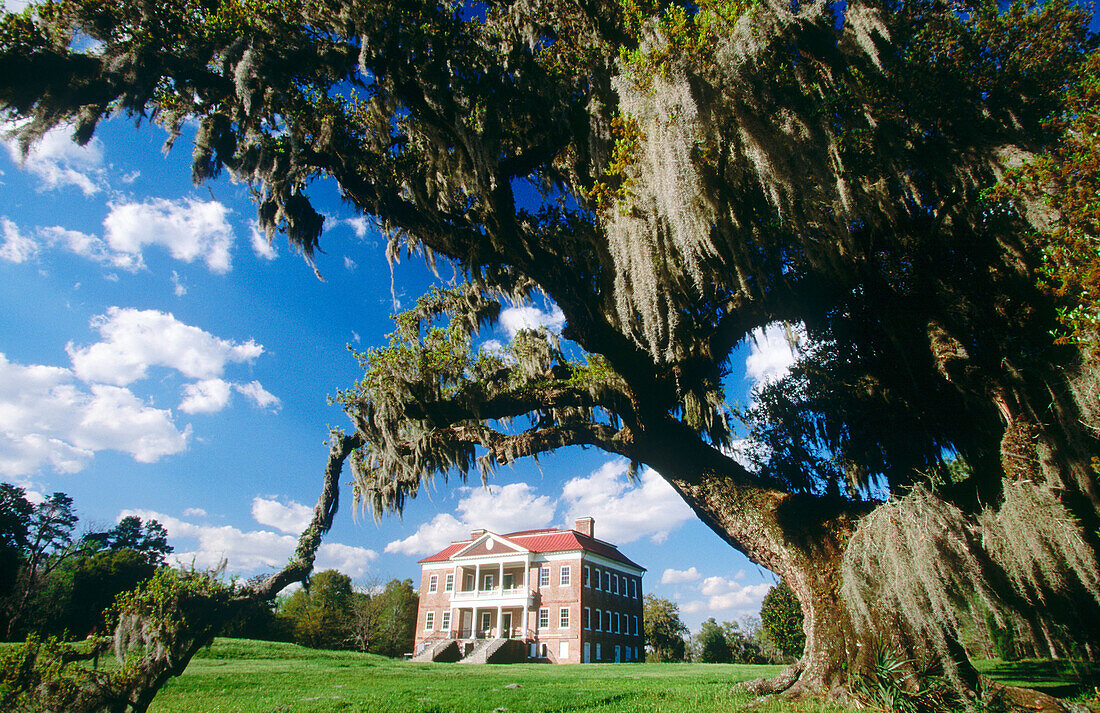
[673,175]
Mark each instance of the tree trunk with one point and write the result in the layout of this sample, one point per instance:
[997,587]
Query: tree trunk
[800,538]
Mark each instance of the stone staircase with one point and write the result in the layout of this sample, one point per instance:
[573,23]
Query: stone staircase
[483,651]
[445,650]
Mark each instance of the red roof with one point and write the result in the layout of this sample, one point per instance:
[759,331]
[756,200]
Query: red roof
[547,540]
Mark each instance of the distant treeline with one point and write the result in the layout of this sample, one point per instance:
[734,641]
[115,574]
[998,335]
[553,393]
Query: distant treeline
[56,582]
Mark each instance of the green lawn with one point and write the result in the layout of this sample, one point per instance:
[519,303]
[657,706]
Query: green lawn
[257,677]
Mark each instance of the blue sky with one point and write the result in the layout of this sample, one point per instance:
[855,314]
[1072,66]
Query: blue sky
[159,358]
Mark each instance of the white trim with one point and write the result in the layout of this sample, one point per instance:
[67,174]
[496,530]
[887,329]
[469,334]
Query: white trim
[612,564]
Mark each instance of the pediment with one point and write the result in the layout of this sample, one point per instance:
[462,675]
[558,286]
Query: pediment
[487,545]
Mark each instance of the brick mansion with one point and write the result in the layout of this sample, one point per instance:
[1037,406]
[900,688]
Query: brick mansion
[559,596]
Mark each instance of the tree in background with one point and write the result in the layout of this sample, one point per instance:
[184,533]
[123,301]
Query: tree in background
[781,620]
[49,543]
[700,170]
[63,584]
[710,645]
[664,631]
[395,616]
[319,616]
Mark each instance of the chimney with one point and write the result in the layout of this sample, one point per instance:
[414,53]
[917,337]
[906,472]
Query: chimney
[585,526]
[474,534]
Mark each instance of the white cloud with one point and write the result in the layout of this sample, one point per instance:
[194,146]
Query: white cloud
[48,421]
[495,508]
[177,284]
[256,393]
[680,576]
[194,512]
[292,518]
[16,5]
[506,508]
[16,247]
[431,536]
[725,594]
[514,319]
[188,229]
[360,225]
[208,396]
[349,264]
[770,354]
[248,552]
[91,247]
[263,247]
[626,511]
[352,561]
[58,161]
[134,340]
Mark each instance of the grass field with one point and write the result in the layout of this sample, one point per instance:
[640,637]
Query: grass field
[239,676]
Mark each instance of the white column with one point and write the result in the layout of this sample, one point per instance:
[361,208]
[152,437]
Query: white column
[477,577]
[500,618]
[474,625]
[500,577]
[523,626]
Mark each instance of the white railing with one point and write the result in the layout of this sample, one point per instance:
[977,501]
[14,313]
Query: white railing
[517,593]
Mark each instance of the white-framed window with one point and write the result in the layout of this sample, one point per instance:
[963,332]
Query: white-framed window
[486,621]
[597,651]
[597,573]
[635,625]
[587,576]
[544,576]
[469,583]
[449,583]
[599,620]
[544,618]
[445,621]
[563,618]
[633,588]
[565,575]
[433,583]
[429,621]
[607,581]
[488,580]
[588,618]
[614,584]
[617,629]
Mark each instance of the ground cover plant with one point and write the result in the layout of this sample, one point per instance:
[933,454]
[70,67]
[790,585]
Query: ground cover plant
[261,677]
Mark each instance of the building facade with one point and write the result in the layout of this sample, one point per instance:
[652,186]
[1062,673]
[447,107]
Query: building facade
[561,596]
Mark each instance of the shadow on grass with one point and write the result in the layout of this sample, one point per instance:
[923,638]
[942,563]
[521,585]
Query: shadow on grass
[1062,679]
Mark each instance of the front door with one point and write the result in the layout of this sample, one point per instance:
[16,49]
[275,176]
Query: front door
[616,653]
[506,625]
[486,621]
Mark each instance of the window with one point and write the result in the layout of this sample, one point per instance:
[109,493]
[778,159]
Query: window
[633,589]
[607,581]
[445,621]
[597,652]
[488,582]
[635,626]
[617,630]
[587,577]
[564,575]
[486,621]
[544,618]
[449,583]
[544,576]
[433,582]
[588,618]
[429,621]
[597,579]
[563,618]
[599,620]
[469,583]
[614,584]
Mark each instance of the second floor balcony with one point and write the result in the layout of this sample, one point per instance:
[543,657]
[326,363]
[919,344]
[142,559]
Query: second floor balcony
[494,596]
